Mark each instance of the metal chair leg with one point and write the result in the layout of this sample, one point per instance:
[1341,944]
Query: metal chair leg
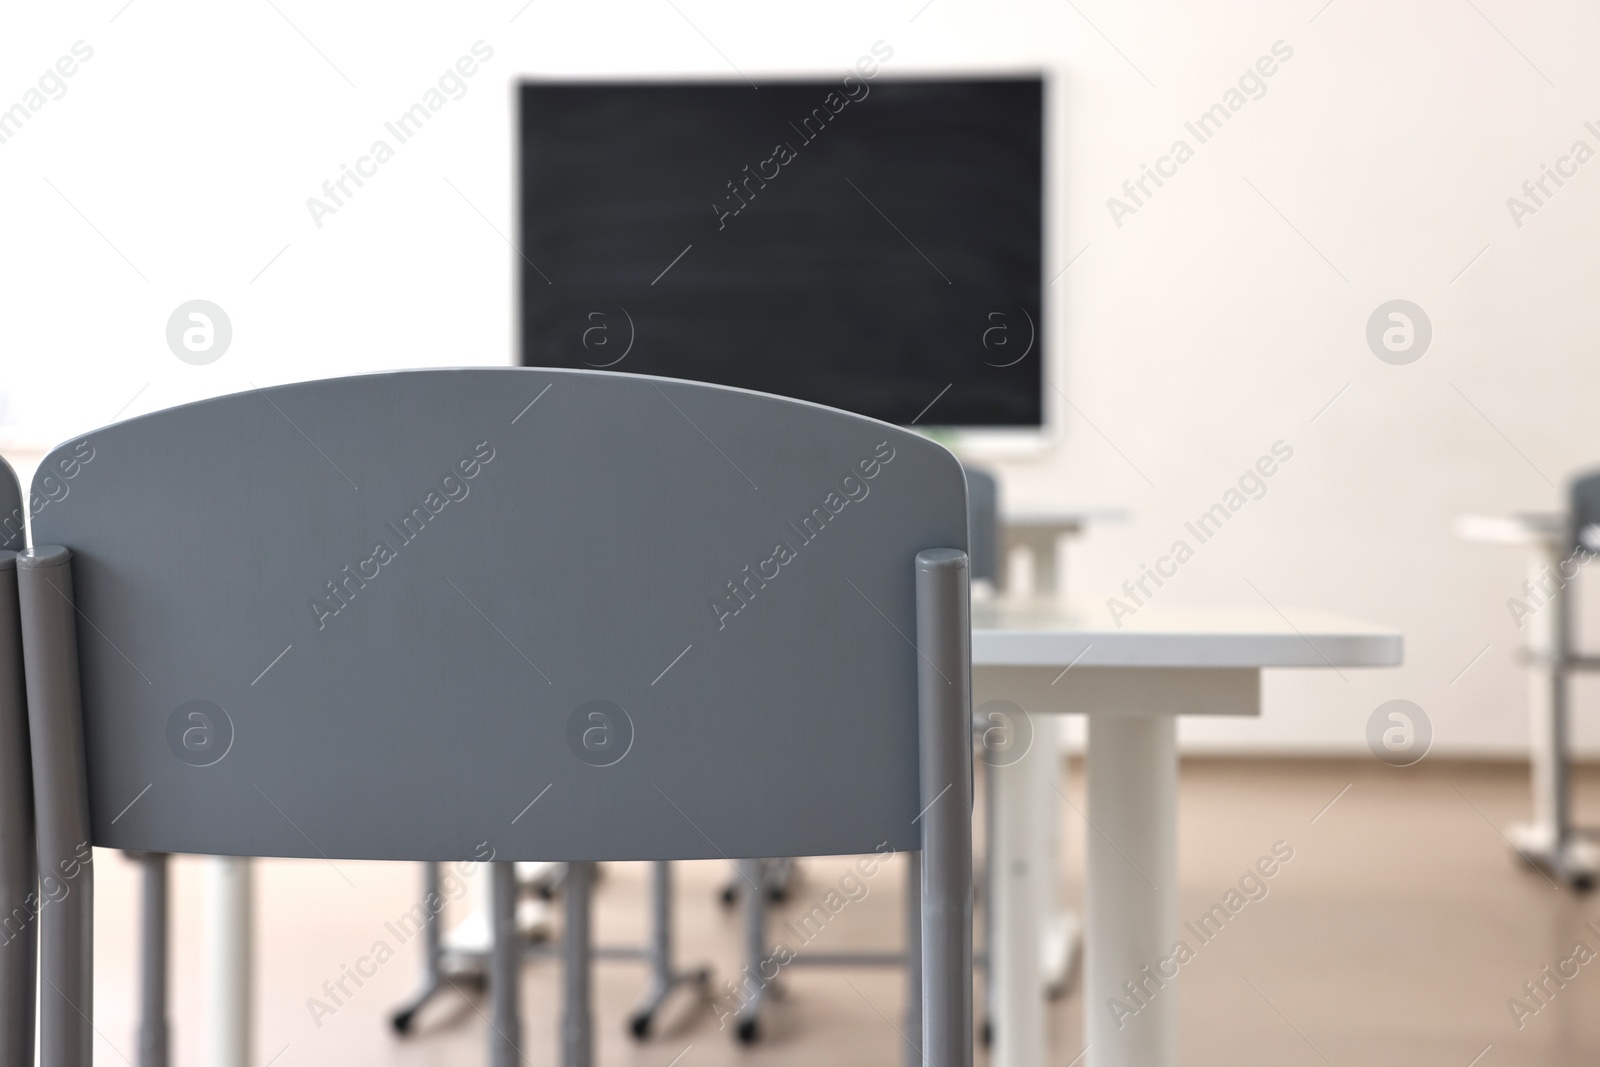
[505,978]
[747,1028]
[577,1026]
[663,977]
[913,921]
[153,1030]
[432,969]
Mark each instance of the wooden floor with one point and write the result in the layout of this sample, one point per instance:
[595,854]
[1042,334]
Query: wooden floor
[1396,935]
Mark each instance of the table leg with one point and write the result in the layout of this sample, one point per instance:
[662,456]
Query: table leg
[1016,995]
[229,964]
[1059,939]
[1131,1012]
[1549,840]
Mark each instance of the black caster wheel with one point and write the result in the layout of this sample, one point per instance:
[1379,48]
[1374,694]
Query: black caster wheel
[639,1025]
[401,1021]
[747,1031]
[730,896]
[777,894]
[986,1033]
[1583,883]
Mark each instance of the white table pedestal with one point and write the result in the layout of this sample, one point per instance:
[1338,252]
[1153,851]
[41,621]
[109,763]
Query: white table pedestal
[1132,682]
[229,967]
[1132,890]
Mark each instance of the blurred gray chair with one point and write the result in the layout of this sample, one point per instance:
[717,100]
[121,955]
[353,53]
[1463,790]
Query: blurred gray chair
[379,617]
[769,881]
[983,526]
[19,896]
[1584,511]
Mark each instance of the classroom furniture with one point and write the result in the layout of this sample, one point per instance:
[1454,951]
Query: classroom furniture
[1046,657]
[1041,533]
[463,956]
[1022,820]
[762,882]
[1556,548]
[376,617]
[1039,774]
[18,874]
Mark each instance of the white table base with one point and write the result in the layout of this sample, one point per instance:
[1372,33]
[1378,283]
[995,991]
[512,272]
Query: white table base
[228,1034]
[1131,848]
[1132,891]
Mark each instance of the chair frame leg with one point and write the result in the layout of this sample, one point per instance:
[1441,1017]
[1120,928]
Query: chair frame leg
[577,1023]
[944,686]
[61,806]
[154,1029]
[664,977]
[505,969]
[433,982]
[19,873]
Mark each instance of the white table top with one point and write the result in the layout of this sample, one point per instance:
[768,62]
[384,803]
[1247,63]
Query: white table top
[1527,528]
[1064,518]
[1044,632]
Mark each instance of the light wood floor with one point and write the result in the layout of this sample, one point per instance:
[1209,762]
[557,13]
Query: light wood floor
[1396,936]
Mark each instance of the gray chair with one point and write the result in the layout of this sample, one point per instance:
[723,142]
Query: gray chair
[773,876]
[379,617]
[983,504]
[19,898]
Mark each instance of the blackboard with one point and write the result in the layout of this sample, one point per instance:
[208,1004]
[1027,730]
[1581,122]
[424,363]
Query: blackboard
[869,244]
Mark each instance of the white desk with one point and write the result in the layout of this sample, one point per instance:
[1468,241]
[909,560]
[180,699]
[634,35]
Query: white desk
[1132,682]
[1039,531]
[1041,535]
[1550,839]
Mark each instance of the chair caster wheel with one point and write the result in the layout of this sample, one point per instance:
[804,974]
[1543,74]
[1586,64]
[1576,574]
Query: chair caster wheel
[639,1025]
[986,1033]
[1583,883]
[777,894]
[401,1021]
[746,1031]
[730,896]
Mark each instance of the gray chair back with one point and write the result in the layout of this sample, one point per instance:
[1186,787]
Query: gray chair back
[983,525]
[19,898]
[519,613]
[1584,511]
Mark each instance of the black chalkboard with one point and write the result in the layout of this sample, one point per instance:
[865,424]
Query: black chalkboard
[870,244]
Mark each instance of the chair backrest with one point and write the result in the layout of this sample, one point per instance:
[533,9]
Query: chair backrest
[1584,500]
[19,898]
[13,524]
[565,615]
[983,525]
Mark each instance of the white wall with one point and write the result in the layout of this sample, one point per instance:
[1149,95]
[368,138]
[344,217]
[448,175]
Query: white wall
[1191,337]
